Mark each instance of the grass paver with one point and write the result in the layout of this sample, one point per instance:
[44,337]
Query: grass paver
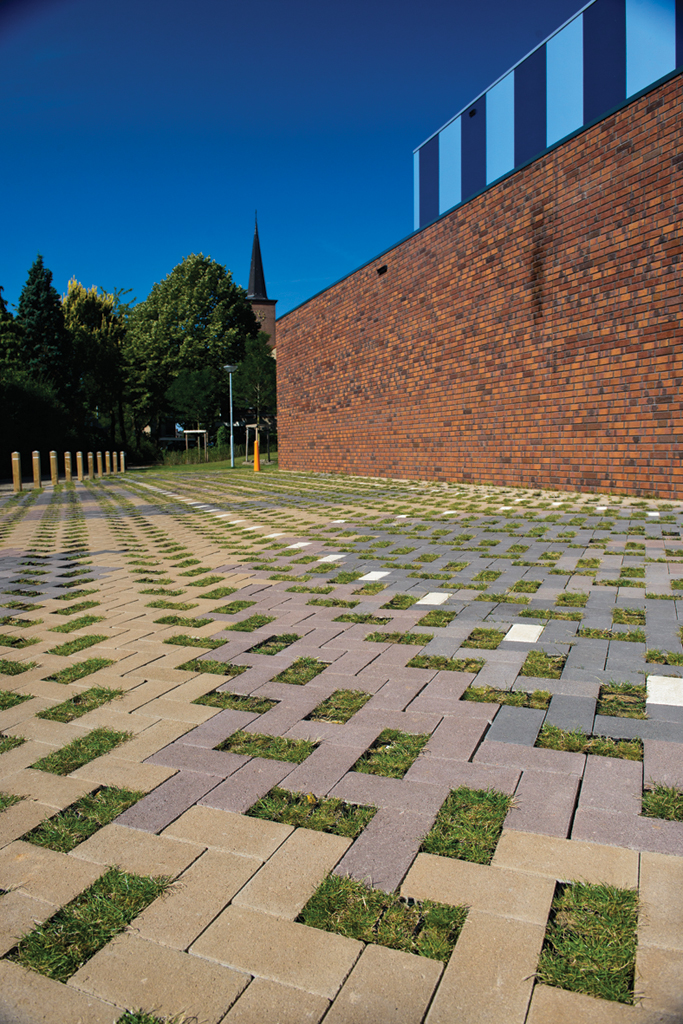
[623,700]
[236,702]
[301,671]
[80,751]
[304,810]
[273,645]
[513,698]
[416,639]
[542,665]
[10,742]
[392,754]
[10,700]
[8,800]
[216,668]
[80,705]
[441,663]
[553,738]
[339,707]
[468,825]
[665,802]
[253,744]
[81,643]
[82,819]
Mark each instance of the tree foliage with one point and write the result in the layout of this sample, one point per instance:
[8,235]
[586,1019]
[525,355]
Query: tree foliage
[255,381]
[46,351]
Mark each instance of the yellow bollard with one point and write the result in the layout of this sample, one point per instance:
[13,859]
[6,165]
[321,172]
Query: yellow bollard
[114,462]
[107,463]
[99,463]
[91,466]
[79,466]
[54,471]
[16,471]
[36,470]
[122,462]
[257,460]
[67,467]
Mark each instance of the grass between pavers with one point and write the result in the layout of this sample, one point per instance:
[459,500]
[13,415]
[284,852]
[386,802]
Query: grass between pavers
[76,595]
[416,639]
[74,609]
[233,607]
[16,668]
[572,599]
[547,613]
[485,639]
[252,623]
[14,620]
[219,592]
[628,616]
[332,602]
[590,941]
[82,819]
[274,644]
[437,617]
[60,946]
[487,576]
[515,698]
[236,702]
[468,825]
[22,606]
[166,592]
[81,643]
[399,602]
[339,707]
[10,742]
[657,657]
[301,671]
[370,589]
[392,754]
[17,643]
[10,700]
[347,907]
[80,705]
[443,664]
[309,590]
[69,627]
[576,741]
[183,640]
[80,751]
[663,802]
[254,744]
[80,670]
[216,668]
[542,665]
[636,636]
[178,606]
[623,700]
[363,619]
[8,800]
[182,620]
[304,810]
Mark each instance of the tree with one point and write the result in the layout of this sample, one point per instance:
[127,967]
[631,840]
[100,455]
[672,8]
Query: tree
[255,380]
[195,395]
[45,344]
[196,318]
[10,354]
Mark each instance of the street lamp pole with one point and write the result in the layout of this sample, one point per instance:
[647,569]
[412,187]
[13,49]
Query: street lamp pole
[230,370]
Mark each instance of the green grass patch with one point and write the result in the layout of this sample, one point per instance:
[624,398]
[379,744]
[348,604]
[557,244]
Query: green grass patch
[234,607]
[657,657]
[663,802]
[8,800]
[216,668]
[79,705]
[486,576]
[168,593]
[590,942]
[17,643]
[514,698]
[437,617]
[252,623]
[219,593]
[235,702]
[525,587]
[542,665]
[74,609]
[576,741]
[443,664]
[332,602]
[80,751]
[636,636]
[469,825]
[80,670]
[339,707]
[201,571]
[178,606]
[10,700]
[16,668]
[486,639]
[308,811]
[365,618]
[623,700]
[79,644]
[501,598]
[400,602]
[10,742]
[309,590]
[254,744]
[82,819]
[184,640]
[13,620]
[206,581]
[301,671]
[572,599]
[547,613]
[22,606]
[370,589]
[76,932]
[69,627]
[391,755]
[346,907]
[347,577]
[416,639]
[274,644]
[628,616]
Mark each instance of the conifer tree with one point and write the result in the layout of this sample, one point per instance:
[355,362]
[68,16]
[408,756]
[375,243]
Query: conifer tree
[45,343]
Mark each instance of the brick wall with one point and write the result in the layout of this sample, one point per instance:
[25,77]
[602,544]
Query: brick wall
[531,337]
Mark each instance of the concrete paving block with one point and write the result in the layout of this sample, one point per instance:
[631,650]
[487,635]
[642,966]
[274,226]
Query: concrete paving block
[516,725]
[517,755]
[441,771]
[130,971]
[277,950]
[168,801]
[386,986]
[665,690]
[221,830]
[198,759]
[29,998]
[663,763]
[111,770]
[321,772]
[23,757]
[287,881]
[247,785]
[137,852]
[396,695]
[612,784]
[45,874]
[563,1007]
[384,851]
[637,833]
[538,807]
[20,914]
[658,979]
[269,1001]
[399,794]
[571,712]
[490,975]
[151,740]
[21,818]
[456,737]
[661,901]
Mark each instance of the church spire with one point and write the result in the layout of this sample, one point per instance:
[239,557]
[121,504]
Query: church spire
[257,280]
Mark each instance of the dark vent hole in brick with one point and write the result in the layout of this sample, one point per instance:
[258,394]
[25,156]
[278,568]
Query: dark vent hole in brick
[382,270]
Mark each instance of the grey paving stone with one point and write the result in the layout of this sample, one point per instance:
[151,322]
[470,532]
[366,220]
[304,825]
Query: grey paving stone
[168,801]
[217,729]
[589,655]
[663,762]
[612,784]
[198,759]
[378,791]
[628,728]
[571,712]
[516,725]
[247,785]
[564,685]
[457,737]
[516,755]
[396,694]
[664,712]
[637,833]
[385,850]
[543,808]
[447,772]
[561,631]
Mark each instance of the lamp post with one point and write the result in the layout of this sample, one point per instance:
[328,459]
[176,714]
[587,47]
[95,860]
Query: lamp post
[230,369]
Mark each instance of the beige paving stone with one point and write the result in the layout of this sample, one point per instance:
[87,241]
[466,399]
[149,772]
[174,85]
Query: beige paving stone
[110,770]
[386,986]
[54,790]
[196,687]
[567,859]
[494,890]
[29,998]
[195,899]
[289,878]
[151,740]
[138,852]
[180,711]
[556,1006]
[279,950]
[659,979]
[19,914]
[107,717]
[57,734]
[21,712]
[133,972]
[224,830]
[489,977]
[660,919]
[141,694]
[45,874]
[22,757]
[21,818]
[266,1002]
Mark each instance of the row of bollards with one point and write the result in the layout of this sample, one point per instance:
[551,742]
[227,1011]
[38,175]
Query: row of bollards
[114,462]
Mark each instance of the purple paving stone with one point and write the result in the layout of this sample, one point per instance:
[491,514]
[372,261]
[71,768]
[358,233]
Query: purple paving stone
[637,833]
[212,732]
[612,784]
[397,656]
[349,735]
[544,805]
[168,801]
[232,649]
[663,763]
[384,851]
[247,785]
[395,695]
[516,755]
[404,721]
[323,769]
[442,694]
[282,718]
[441,771]
[378,791]
[457,738]
[352,662]
[248,682]
[198,759]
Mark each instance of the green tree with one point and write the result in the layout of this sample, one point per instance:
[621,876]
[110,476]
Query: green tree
[194,396]
[10,354]
[255,380]
[46,353]
[196,318]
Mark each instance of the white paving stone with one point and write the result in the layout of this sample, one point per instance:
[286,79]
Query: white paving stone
[331,558]
[665,690]
[435,597]
[338,520]
[505,508]
[374,576]
[524,634]
[653,514]
[300,544]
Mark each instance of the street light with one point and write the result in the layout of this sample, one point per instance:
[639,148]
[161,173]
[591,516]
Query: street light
[230,369]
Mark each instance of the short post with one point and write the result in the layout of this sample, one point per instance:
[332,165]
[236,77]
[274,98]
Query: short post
[114,462]
[122,462]
[91,466]
[206,446]
[257,461]
[99,463]
[67,467]
[79,466]
[54,472]
[36,470]
[16,471]
[107,463]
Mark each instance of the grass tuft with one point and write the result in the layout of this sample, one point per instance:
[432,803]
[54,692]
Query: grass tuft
[182,620]
[399,602]
[10,700]
[339,707]
[69,627]
[8,800]
[274,644]
[216,668]
[301,671]
[80,751]
[81,643]
[443,664]
[624,700]
[16,668]
[233,607]
[469,825]
[254,744]
[663,802]
[514,698]
[252,623]
[82,819]
[183,640]
[10,742]
[485,639]
[542,665]
[80,705]
[308,811]
[575,741]
[437,617]
[391,755]
[236,702]
[416,639]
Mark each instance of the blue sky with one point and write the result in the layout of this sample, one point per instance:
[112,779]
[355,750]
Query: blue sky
[134,132]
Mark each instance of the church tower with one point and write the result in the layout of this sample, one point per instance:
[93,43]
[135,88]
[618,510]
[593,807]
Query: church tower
[263,307]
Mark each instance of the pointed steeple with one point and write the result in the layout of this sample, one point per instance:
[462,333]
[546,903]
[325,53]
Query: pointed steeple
[257,280]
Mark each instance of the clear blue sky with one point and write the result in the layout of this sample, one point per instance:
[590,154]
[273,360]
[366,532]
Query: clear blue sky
[134,132]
